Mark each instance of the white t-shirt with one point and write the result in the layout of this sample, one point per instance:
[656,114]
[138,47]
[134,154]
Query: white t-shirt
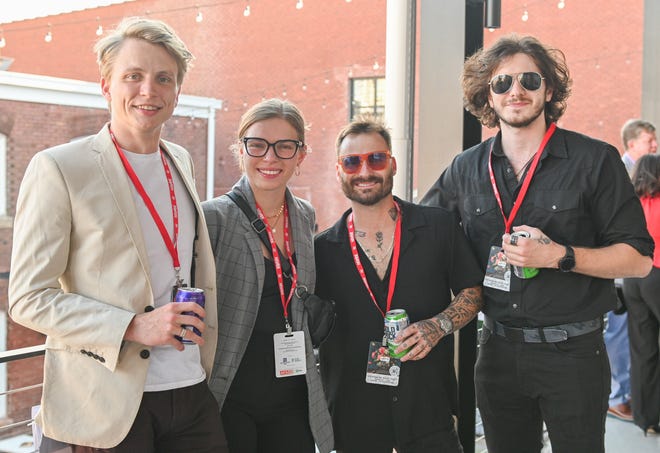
[168,368]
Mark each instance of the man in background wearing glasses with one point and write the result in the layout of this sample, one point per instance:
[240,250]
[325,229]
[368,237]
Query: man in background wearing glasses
[541,357]
[385,254]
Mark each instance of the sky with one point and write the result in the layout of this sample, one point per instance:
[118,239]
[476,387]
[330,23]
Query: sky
[13,10]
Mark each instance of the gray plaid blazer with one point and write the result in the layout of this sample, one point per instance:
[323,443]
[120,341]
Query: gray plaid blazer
[240,274]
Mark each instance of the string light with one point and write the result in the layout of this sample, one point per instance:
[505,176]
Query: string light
[49,34]
[300,4]
[3,42]
[304,86]
[376,66]
[561,4]
[99,29]
[200,16]
[246,11]
[525,16]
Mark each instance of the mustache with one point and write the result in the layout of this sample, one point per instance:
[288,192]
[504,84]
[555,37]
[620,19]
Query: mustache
[368,179]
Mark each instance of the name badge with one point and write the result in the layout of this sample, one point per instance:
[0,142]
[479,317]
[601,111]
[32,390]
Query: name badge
[289,354]
[498,271]
[381,368]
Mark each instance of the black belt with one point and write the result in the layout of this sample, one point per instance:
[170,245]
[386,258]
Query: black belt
[549,334]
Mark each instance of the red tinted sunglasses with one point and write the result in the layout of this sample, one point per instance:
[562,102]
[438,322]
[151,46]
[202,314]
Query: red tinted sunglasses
[376,160]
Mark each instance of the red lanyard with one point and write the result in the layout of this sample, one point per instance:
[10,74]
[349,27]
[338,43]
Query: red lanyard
[526,182]
[286,300]
[171,244]
[395,258]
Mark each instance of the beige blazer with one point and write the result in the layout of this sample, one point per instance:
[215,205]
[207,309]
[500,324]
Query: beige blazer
[79,272]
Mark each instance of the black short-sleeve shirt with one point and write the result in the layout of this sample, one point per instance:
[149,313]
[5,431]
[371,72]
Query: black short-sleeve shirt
[580,195]
[435,261]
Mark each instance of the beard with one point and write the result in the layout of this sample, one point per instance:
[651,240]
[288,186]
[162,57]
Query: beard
[521,121]
[368,197]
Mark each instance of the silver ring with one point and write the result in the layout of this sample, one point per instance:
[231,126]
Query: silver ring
[183,332]
[513,240]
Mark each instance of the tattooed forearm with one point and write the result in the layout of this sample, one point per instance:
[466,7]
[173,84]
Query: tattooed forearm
[429,332]
[422,336]
[465,306]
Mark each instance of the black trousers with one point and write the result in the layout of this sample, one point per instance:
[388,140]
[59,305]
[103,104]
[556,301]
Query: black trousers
[255,430]
[521,385]
[642,297]
[172,421]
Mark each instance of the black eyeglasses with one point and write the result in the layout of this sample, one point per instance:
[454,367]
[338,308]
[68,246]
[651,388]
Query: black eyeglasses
[258,147]
[502,83]
[376,160]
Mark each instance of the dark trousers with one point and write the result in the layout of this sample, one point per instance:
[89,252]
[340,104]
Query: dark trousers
[642,297]
[172,421]
[521,385]
[383,441]
[252,430]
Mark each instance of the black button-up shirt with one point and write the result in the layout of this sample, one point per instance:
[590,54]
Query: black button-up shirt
[580,195]
[435,261]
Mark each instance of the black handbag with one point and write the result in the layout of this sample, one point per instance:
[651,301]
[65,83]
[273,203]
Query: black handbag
[320,312]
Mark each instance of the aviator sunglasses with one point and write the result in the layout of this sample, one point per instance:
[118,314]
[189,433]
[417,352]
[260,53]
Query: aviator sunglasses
[502,83]
[376,160]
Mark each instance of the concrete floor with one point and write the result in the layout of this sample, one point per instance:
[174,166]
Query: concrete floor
[620,437]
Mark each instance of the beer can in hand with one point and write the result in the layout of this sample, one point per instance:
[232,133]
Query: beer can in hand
[196,295]
[523,272]
[395,322]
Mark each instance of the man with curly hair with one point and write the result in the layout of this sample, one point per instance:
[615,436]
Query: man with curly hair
[541,357]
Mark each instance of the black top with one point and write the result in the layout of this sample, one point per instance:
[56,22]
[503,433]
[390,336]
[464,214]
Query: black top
[580,195]
[255,385]
[435,260]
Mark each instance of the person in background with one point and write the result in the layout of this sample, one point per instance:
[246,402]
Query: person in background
[639,139]
[105,232]
[384,254]
[268,404]
[642,297]
[541,355]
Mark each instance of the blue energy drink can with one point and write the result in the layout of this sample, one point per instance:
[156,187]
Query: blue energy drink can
[196,295]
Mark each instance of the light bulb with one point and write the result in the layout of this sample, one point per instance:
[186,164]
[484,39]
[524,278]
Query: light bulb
[376,66]
[246,11]
[200,17]
[48,37]
[304,87]
[525,16]
[561,4]
[300,4]
[99,30]
[3,42]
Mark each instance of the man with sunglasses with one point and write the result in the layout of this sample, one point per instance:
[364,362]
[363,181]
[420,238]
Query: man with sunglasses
[541,356]
[385,254]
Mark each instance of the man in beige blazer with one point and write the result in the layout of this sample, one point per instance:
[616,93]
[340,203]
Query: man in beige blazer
[105,229]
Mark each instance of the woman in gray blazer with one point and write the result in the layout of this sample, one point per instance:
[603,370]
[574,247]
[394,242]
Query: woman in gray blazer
[265,376]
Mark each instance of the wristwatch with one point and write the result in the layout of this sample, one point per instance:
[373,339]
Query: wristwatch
[446,325]
[567,263]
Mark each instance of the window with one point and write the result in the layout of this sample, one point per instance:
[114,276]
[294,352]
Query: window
[368,97]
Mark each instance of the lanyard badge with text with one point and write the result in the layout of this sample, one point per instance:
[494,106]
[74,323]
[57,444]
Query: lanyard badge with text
[498,270]
[289,346]
[382,369]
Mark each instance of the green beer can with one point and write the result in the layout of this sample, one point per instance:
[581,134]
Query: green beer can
[395,322]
